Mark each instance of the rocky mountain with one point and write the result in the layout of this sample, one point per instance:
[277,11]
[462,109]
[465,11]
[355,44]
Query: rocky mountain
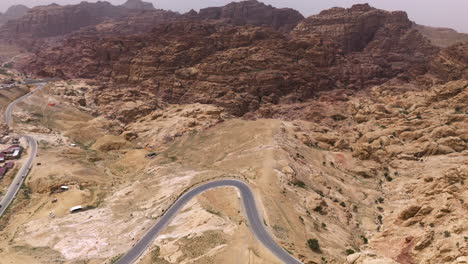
[244,67]
[14,12]
[138,4]
[354,136]
[55,20]
[47,24]
[252,12]
[442,37]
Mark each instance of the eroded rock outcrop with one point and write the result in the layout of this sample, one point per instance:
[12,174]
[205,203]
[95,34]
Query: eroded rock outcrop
[243,68]
[252,12]
[138,4]
[14,12]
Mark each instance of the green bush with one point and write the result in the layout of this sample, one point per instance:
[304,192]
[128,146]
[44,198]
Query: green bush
[314,245]
[365,240]
[299,183]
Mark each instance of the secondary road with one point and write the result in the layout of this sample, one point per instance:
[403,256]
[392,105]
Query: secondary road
[12,105]
[21,175]
[250,211]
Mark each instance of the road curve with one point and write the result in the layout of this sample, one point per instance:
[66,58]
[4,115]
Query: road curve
[12,105]
[250,211]
[21,175]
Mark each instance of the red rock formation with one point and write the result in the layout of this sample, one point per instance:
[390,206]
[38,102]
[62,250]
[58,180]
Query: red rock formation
[242,67]
[47,24]
[377,45]
[252,12]
[55,20]
[442,37]
[451,63]
[138,4]
[14,12]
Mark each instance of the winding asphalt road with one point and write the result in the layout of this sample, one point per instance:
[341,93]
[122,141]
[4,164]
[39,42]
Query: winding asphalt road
[248,204]
[21,175]
[250,211]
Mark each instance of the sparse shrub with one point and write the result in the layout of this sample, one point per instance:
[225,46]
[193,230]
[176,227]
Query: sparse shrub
[349,251]
[338,117]
[3,71]
[364,239]
[301,219]
[324,225]
[458,109]
[431,224]
[447,234]
[379,217]
[388,177]
[299,183]
[318,209]
[298,155]
[343,204]
[314,245]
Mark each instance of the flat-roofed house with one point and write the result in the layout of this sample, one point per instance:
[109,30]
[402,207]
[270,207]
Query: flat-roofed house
[9,165]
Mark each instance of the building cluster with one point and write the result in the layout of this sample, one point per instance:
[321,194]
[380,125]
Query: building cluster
[12,153]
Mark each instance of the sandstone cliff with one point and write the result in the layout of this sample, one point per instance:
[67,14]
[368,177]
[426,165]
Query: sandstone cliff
[138,4]
[244,67]
[442,37]
[360,142]
[48,25]
[14,12]
[252,12]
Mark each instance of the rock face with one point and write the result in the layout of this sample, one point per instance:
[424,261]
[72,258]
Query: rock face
[451,63]
[138,4]
[55,20]
[252,12]
[442,37]
[14,12]
[49,24]
[244,67]
[377,45]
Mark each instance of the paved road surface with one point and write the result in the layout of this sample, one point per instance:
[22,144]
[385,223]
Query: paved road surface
[18,181]
[250,211]
[21,175]
[10,107]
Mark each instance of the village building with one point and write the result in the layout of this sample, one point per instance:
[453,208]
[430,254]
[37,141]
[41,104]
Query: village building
[3,171]
[13,152]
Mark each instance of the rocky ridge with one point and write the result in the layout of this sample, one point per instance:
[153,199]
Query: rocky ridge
[442,37]
[14,12]
[48,25]
[251,12]
[199,60]
[373,157]
[138,4]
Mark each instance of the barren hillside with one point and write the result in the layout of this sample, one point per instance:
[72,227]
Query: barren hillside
[349,126]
